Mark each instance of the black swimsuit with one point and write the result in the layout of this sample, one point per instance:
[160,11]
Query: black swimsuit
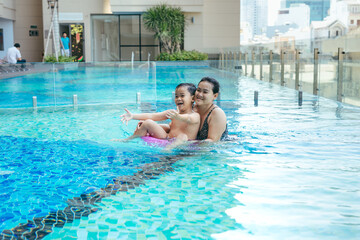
[203,133]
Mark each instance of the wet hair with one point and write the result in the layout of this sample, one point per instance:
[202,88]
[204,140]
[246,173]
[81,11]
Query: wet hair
[190,87]
[17,45]
[213,81]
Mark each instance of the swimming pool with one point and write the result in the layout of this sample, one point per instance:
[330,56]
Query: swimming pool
[292,172]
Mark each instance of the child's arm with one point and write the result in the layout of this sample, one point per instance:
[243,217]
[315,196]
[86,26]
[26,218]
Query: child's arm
[143,116]
[191,118]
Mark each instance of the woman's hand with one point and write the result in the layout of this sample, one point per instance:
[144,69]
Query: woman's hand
[126,117]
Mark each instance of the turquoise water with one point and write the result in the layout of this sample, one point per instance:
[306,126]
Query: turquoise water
[292,172]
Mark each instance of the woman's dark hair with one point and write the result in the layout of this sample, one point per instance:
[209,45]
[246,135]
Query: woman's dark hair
[190,87]
[17,45]
[213,81]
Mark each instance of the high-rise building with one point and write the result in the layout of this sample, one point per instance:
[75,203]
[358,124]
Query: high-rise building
[318,8]
[255,12]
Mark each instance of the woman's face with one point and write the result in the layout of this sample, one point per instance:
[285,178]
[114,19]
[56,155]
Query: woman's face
[204,94]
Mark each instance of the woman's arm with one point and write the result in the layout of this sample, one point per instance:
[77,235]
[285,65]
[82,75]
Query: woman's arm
[217,125]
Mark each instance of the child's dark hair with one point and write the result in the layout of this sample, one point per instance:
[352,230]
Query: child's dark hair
[190,87]
[213,81]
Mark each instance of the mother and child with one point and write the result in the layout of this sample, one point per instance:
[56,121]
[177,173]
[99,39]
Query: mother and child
[204,121]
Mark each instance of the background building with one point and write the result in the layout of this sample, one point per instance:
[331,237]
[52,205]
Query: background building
[21,21]
[293,19]
[112,30]
[318,8]
[7,18]
[104,30]
[298,14]
[255,13]
[347,11]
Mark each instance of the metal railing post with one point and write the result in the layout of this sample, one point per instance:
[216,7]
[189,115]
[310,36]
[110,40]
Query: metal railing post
[300,98]
[316,72]
[246,58]
[222,60]
[240,63]
[234,63]
[270,66]
[252,63]
[225,61]
[34,100]
[256,98]
[75,100]
[297,69]
[282,74]
[138,97]
[340,74]
[261,65]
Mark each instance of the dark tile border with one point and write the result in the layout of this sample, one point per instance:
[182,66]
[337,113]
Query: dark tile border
[83,206]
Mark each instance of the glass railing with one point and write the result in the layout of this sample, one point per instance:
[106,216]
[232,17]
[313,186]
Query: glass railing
[61,84]
[327,71]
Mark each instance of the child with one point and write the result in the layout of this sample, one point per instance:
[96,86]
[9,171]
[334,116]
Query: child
[184,124]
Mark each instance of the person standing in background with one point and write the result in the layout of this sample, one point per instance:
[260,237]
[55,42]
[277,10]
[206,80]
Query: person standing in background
[13,54]
[65,45]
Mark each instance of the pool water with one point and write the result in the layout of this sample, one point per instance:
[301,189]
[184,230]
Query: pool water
[291,172]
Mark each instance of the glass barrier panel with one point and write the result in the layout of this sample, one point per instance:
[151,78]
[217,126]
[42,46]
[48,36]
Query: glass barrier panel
[289,69]
[351,81]
[266,66]
[306,71]
[276,68]
[328,73]
[149,53]
[104,83]
[21,82]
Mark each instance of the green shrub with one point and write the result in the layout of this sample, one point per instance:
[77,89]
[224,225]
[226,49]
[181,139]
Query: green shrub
[52,59]
[182,56]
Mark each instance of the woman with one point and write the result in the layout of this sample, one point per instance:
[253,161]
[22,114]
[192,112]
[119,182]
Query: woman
[212,118]
[213,125]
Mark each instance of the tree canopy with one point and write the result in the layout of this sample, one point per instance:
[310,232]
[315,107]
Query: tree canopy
[168,23]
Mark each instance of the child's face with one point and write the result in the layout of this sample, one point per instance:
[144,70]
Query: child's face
[183,99]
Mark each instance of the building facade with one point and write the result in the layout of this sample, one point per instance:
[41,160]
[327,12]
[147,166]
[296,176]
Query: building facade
[7,18]
[298,14]
[255,13]
[347,11]
[112,30]
[22,22]
[318,8]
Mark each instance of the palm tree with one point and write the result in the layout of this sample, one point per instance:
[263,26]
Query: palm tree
[168,23]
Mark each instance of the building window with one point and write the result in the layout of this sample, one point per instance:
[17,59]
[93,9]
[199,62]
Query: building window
[351,21]
[119,37]
[337,33]
[358,22]
[1,39]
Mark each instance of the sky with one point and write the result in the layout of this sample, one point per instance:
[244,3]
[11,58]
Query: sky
[274,6]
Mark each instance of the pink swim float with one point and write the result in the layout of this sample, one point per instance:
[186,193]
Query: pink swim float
[157,142]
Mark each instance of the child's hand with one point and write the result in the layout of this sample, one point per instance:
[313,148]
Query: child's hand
[172,114]
[126,117]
